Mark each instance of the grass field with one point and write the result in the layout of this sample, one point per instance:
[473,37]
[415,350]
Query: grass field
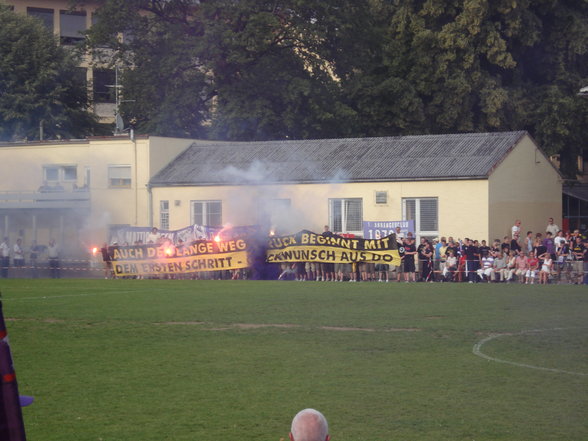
[221,360]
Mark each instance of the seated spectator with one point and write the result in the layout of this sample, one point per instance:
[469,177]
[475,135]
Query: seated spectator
[510,265]
[521,266]
[532,271]
[486,272]
[500,268]
[450,265]
[545,271]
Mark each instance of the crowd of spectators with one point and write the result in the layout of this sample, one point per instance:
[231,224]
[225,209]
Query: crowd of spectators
[553,256]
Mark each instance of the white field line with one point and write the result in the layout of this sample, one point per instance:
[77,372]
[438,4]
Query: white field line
[477,350]
[12,299]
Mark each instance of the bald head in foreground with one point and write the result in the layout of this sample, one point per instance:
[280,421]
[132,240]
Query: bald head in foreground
[309,425]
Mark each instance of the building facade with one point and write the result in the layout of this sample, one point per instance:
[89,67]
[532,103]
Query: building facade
[68,24]
[469,185]
[76,191]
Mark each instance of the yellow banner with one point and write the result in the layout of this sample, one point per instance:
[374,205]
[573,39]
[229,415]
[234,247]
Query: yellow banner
[181,265]
[324,254]
[203,255]
[306,246]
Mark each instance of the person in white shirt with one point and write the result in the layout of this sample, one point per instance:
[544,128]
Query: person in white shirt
[4,257]
[18,254]
[516,229]
[487,267]
[551,227]
[53,254]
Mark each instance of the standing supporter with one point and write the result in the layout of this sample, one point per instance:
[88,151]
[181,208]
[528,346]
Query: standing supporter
[153,236]
[528,244]
[107,260]
[34,251]
[383,270]
[18,256]
[53,255]
[505,246]
[578,263]
[472,260]
[585,261]
[551,227]
[300,272]
[353,272]
[514,244]
[564,257]
[516,229]
[425,252]
[400,268]
[421,258]
[559,239]
[532,271]
[549,244]
[4,257]
[409,266]
[328,269]
[484,248]
[539,248]
[495,249]
[442,255]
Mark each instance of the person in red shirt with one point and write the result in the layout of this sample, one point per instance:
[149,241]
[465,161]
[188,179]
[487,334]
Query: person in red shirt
[533,263]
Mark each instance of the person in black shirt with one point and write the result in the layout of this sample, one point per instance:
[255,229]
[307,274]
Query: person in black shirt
[409,267]
[425,253]
[472,260]
[514,244]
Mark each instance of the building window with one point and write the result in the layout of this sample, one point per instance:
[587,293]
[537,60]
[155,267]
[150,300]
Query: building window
[381,197]
[60,173]
[207,213]
[70,173]
[119,176]
[164,215]
[425,214]
[45,15]
[72,25]
[103,86]
[51,173]
[346,215]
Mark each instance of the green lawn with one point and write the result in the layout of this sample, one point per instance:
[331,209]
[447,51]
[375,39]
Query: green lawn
[222,360]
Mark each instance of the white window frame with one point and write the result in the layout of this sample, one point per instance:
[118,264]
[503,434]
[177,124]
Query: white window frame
[419,232]
[120,178]
[164,215]
[207,206]
[344,225]
[379,194]
[60,170]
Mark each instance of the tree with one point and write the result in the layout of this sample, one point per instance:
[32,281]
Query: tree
[40,84]
[231,70]
[260,69]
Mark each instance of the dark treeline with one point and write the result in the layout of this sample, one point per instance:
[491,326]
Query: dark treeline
[257,69]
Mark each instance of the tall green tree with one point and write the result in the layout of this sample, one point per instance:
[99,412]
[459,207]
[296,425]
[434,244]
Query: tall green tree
[231,70]
[40,84]
[260,69]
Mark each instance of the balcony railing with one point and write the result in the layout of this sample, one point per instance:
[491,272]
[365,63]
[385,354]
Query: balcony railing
[44,198]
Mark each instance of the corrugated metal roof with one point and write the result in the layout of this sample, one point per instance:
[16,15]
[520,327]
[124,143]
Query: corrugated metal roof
[427,157]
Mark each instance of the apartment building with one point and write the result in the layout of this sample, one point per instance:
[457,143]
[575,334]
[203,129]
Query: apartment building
[68,24]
